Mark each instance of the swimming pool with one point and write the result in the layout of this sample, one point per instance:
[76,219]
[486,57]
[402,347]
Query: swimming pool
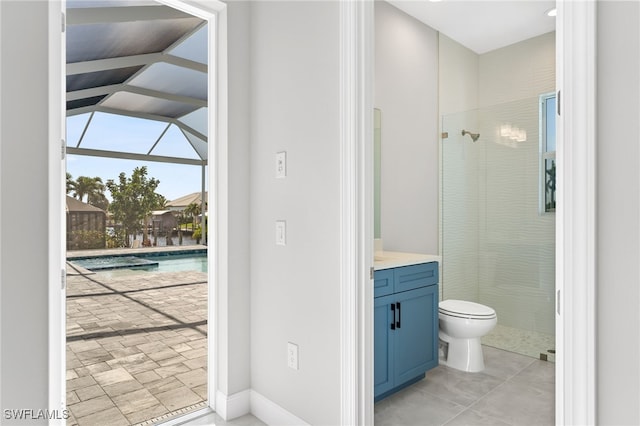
[148,262]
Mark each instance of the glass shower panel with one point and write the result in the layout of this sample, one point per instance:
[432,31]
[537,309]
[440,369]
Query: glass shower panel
[498,249]
[459,223]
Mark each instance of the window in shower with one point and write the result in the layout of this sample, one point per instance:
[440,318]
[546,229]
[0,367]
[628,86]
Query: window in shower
[548,153]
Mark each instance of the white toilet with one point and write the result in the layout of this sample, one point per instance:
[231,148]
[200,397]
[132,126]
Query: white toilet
[462,324]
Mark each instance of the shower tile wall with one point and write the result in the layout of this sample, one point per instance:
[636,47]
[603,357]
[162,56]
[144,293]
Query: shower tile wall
[497,248]
[515,242]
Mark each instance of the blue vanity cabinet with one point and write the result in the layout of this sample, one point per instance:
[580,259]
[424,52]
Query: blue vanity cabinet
[405,327]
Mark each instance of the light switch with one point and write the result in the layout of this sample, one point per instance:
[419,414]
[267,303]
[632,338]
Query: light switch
[281,233]
[281,165]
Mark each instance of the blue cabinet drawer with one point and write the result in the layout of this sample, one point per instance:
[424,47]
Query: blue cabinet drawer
[415,276]
[405,278]
[383,282]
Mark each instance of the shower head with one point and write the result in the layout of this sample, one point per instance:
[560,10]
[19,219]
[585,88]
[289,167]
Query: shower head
[474,136]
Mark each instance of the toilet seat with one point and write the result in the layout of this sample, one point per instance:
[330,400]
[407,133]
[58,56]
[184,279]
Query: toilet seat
[465,309]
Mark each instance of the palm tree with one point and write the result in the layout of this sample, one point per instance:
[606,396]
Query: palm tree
[71,184]
[192,210]
[93,188]
[99,200]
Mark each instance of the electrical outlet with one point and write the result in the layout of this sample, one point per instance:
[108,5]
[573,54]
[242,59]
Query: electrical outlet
[292,355]
[281,165]
[281,233]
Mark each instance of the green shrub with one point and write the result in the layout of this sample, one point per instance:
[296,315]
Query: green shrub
[85,240]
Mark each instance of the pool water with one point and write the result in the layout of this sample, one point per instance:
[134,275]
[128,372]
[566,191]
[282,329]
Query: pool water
[114,262]
[182,262]
[126,265]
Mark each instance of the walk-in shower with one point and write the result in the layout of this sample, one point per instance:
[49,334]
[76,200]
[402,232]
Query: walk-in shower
[498,243]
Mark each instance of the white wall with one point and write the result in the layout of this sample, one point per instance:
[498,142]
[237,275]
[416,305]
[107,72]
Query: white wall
[457,76]
[24,199]
[295,288]
[406,91]
[618,213]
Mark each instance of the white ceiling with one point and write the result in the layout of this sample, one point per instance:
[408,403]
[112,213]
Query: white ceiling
[481,25]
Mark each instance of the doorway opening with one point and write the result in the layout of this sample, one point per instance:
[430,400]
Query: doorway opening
[574,306]
[139,248]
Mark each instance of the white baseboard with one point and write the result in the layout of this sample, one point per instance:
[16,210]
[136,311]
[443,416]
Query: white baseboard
[232,406]
[250,401]
[271,413]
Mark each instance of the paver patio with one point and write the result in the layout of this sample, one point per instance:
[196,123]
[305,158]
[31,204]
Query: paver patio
[136,346]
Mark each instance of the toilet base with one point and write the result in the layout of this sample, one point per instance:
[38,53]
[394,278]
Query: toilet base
[463,354]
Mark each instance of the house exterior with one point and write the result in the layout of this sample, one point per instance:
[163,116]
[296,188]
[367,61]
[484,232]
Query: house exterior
[86,225]
[281,56]
[183,202]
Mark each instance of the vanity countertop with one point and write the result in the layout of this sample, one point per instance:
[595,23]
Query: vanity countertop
[394,259]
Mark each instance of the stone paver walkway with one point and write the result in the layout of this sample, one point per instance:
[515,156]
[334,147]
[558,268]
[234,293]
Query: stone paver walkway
[136,346]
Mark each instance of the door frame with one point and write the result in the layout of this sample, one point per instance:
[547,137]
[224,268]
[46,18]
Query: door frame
[57,224]
[215,12]
[356,212]
[575,215]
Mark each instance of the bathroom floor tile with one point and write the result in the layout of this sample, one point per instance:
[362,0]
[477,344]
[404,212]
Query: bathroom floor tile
[415,407]
[518,404]
[471,417]
[513,390]
[539,374]
[457,386]
[504,364]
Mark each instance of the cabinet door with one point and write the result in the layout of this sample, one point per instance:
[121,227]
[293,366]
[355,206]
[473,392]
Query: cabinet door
[383,342]
[416,339]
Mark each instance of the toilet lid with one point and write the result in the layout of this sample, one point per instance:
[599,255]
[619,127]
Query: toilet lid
[464,308]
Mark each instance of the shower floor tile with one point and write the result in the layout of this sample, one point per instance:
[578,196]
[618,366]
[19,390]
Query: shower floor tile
[530,343]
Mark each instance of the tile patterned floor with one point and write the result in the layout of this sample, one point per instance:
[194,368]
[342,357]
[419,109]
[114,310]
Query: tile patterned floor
[136,346]
[525,342]
[513,390]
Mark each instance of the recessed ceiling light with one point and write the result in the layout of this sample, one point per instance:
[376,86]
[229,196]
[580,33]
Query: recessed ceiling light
[552,12]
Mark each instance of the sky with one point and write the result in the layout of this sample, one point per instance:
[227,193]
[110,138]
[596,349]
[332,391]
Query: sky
[120,133]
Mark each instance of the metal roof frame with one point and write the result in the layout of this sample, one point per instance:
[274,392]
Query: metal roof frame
[109,53]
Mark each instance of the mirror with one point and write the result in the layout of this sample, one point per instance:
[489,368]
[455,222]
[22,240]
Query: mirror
[377,129]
